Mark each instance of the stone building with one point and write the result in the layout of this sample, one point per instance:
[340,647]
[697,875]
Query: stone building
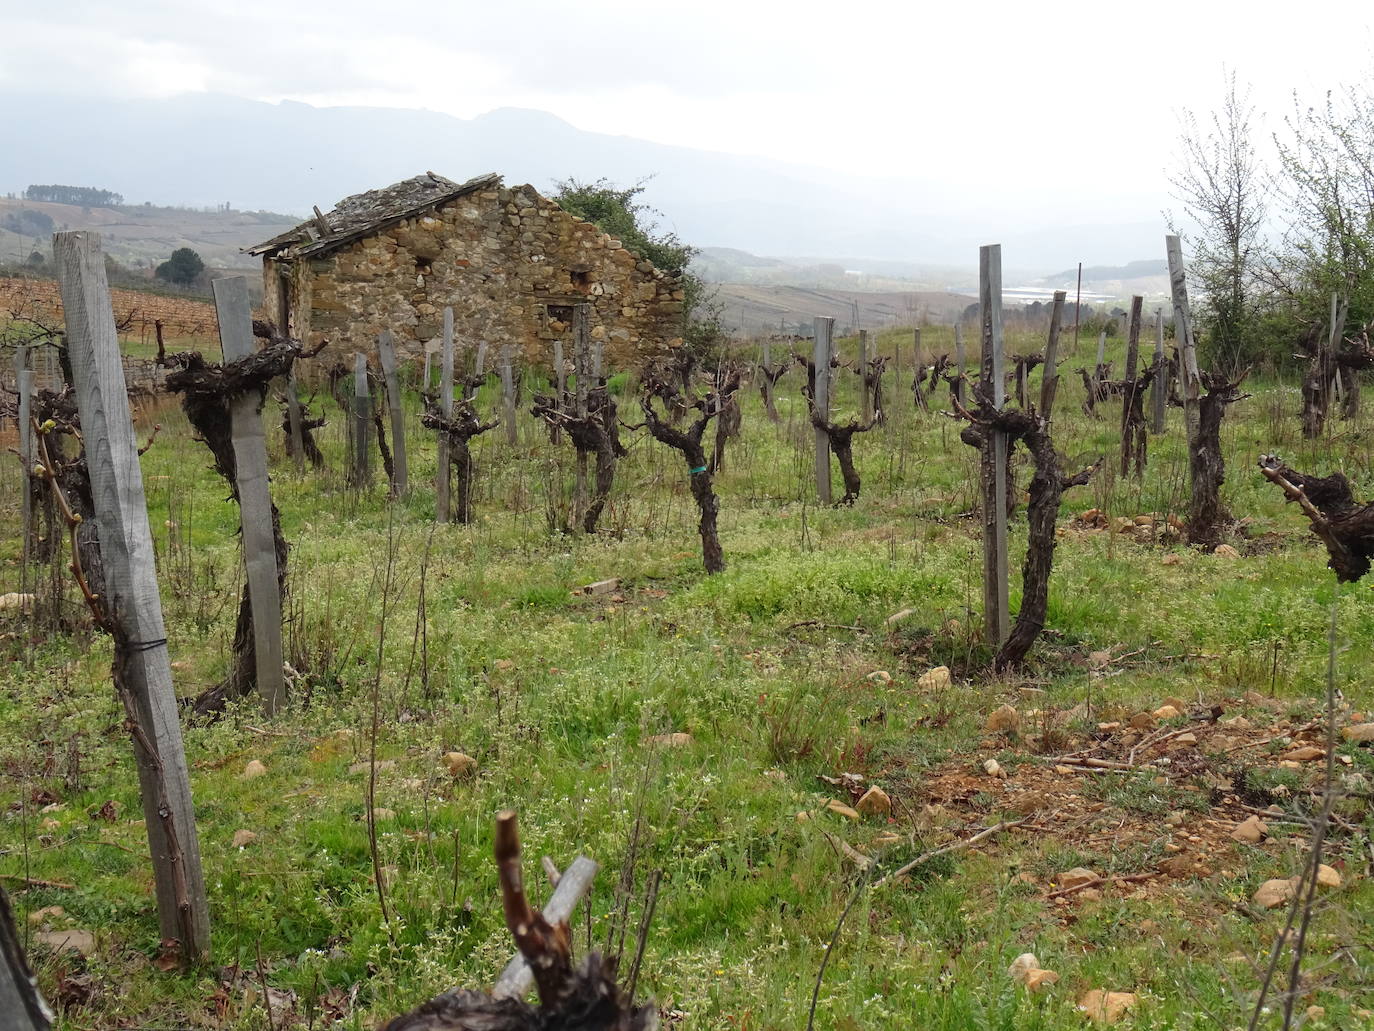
[510,262]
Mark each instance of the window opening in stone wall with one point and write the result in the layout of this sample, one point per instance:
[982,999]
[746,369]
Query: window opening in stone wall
[581,279]
[424,265]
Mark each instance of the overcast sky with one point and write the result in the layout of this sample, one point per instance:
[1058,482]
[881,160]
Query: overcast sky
[998,99]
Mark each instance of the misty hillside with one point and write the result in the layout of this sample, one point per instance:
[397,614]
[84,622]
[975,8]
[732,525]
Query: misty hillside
[206,149]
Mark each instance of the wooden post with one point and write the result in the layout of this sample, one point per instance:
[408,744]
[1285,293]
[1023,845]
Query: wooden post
[508,395]
[865,398]
[1160,397]
[1049,379]
[1101,353]
[560,385]
[425,376]
[995,601]
[293,398]
[443,478]
[362,417]
[959,362]
[24,384]
[131,592]
[255,496]
[1189,378]
[20,1000]
[1128,398]
[582,361]
[386,357]
[825,328]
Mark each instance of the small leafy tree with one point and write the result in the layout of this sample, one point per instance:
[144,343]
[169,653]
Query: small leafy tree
[183,267]
[617,210]
[1220,184]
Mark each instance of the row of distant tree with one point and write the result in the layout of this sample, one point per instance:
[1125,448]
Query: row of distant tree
[84,196]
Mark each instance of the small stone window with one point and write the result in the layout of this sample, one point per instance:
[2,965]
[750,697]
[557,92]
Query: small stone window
[560,317]
[581,279]
[424,266]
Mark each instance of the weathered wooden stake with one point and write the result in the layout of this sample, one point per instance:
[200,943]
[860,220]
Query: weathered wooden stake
[24,384]
[825,328]
[1049,378]
[131,593]
[255,496]
[294,417]
[386,356]
[866,399]
[560,383]
[444,476]
[1160,397]
[582,361]
[1189,378]
[1101,353]
[996,605]
[362,419]
[1128,407]
[508,395]
[959,362]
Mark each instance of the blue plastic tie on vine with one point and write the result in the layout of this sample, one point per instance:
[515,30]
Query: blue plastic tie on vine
[698,469]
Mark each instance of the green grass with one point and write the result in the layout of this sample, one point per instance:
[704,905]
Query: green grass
[765,666]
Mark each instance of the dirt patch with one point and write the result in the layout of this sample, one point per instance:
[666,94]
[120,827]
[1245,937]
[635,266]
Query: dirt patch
[1147,806]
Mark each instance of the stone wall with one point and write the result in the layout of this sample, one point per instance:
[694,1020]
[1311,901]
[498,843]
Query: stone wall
[509,261]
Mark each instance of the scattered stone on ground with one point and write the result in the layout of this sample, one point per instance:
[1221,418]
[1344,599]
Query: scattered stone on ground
[938,679]
[459,764]
[839,808]
[243,837]
[72,940]
[362,767]
[1226,551]
[1106,1007]
[875,802]
[1003,720]
[1251,831]
[1073,878]
[253,770]
[675,740]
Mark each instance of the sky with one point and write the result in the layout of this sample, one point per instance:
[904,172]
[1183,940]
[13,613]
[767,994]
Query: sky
[1075,104]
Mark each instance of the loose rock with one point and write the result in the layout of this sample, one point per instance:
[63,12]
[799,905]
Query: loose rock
[1226,551]
[1305,754]
[840,809]
[1273,893]
[678,740]
[1106,1007]
[875,802]
[1251,831]
[936,680]
[243,837]
[253,770]
[459,764]
[1359,732]
[1073,878]
[1003,720]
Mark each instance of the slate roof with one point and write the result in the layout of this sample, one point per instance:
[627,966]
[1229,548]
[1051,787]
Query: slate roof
[366,213]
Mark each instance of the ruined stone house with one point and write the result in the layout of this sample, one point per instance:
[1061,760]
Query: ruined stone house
[510,262]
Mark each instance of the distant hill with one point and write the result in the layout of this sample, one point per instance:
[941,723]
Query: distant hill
[756,310]
[140,236]
[206,149]
[1131,270]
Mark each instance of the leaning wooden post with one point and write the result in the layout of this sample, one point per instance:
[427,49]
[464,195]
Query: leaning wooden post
[1101,354]
[443,475]
[996,605]
[1049,378]
[362,416]
[1160,396]
[508,394]
[255,496]
[866,399]
[825,328]
[132,602]
[1189,378]
[386,356]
